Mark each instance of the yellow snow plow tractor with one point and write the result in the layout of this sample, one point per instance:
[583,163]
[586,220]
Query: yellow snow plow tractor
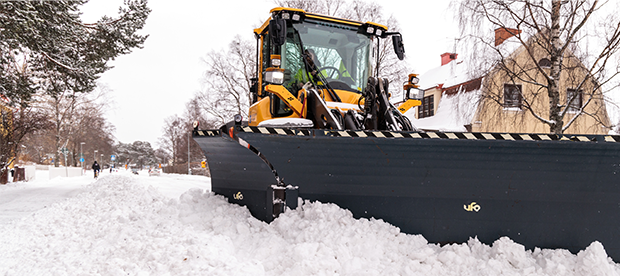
[321,128]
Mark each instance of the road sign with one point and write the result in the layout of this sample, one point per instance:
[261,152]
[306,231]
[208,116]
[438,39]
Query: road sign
[113,157]
[82,160]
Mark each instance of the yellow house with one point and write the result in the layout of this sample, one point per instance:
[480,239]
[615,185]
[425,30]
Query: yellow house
[495,102]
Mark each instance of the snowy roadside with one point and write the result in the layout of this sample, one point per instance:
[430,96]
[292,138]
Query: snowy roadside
[19,199]
[171,225]
[23,198]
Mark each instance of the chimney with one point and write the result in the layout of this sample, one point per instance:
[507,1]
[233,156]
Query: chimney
[447,57]
[501,34]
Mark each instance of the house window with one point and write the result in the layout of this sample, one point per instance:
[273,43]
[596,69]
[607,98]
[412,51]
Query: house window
[544,63]
[576,96]
[427,109]
[512,95]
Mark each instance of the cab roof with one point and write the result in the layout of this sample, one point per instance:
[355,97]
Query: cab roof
[321,17]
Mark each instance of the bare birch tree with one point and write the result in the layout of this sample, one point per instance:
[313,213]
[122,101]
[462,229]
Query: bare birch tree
[76,118]
[227,81]
[193,112]
[174,132]
[69,121]
[89,124]
[568,43]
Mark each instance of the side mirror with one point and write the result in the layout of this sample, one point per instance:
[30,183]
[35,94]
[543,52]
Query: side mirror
[277,31]
[399,48]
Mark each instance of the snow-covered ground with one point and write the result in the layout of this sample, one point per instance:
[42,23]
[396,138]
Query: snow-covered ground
[124,224]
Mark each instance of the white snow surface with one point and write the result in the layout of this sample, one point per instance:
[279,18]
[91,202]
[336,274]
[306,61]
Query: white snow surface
[453,73]
[286,122]
[123,224]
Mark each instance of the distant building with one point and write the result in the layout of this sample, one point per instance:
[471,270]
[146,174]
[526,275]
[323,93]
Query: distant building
[455,101]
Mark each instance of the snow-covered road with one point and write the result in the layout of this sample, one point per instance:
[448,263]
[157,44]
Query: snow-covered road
[124,224]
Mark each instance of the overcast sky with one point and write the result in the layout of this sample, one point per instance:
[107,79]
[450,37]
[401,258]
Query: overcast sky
[155,82]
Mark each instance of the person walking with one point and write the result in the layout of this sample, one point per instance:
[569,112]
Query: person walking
[96,169]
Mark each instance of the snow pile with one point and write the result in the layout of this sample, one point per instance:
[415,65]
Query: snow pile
[117,227]
[120,225]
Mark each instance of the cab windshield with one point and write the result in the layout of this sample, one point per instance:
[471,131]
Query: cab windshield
[341,54]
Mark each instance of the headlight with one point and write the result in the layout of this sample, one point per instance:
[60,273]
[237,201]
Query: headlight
[274,76]
[416,94]
[275,60]
[413,93]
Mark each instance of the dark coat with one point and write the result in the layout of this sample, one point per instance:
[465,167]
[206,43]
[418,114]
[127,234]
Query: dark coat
[96,166]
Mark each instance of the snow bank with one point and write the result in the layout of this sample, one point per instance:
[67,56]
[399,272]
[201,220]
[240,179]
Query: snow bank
[120,225]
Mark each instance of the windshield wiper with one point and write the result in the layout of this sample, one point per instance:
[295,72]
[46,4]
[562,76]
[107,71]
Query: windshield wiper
[313,73]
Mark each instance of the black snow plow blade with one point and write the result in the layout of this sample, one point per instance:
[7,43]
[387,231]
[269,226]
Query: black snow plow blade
[541,190]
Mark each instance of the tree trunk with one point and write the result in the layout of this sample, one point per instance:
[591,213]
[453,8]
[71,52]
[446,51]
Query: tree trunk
[553,89]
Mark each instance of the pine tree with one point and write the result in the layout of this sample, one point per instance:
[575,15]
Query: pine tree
[46,48]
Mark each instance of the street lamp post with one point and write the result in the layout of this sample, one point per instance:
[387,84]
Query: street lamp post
[95,155]
[81,155]
[189,169]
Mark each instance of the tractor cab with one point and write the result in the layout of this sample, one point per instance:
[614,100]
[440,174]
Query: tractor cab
[317,68]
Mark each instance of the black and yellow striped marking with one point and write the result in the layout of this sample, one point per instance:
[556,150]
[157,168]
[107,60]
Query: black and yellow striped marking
[420,135]
[206,133]
[477,136]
